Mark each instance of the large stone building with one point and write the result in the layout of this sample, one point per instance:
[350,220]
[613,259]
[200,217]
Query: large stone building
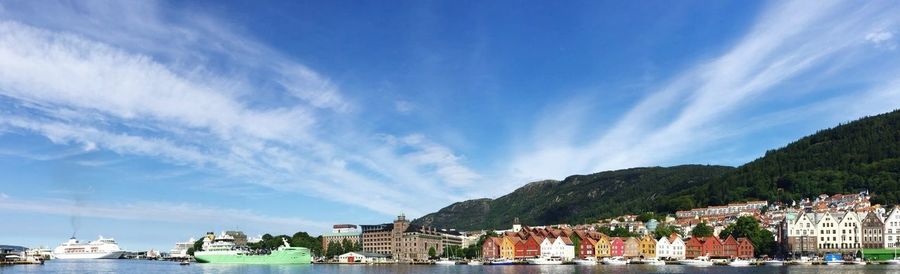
[406,242]
[378,238]
[872,231]
[340,233]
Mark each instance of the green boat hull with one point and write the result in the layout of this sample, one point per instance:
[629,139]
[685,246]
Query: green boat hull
[292,255]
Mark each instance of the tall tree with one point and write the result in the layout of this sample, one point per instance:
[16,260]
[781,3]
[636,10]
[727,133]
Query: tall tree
[702,230]
[431,252]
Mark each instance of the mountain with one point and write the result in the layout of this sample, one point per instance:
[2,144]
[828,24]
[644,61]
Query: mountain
[578,198]
[857,156]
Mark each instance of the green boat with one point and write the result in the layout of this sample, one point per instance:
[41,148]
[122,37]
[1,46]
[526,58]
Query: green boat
[222,250]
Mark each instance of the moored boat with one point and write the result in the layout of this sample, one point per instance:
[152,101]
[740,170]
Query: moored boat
[653,261]
[444,261]
[474,262]
[773,262]
[615,261]
[102,248]
[586,261]
[701,261]
[222,250]
[545,261]
[739,262]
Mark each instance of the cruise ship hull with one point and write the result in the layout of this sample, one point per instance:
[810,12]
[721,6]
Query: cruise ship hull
[109,255]
[288,256]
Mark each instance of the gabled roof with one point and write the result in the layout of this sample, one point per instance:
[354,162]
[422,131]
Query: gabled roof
[497,241]
[730,240]
[673,237]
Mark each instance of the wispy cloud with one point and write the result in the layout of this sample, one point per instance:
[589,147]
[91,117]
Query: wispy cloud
[882,39]
[698,108]
[159,212]
[149,87]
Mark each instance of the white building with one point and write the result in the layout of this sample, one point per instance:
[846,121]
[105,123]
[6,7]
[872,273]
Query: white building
[828,231]
[850,231]
[676,247]
[560,247]
[181,249]
[663,248]
[892,229]
[547,248]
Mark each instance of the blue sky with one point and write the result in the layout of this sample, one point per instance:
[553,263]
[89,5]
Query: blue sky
[155,121]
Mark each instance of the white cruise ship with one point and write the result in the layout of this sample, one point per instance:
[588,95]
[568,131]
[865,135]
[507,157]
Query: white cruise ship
[102,248]
[181,249]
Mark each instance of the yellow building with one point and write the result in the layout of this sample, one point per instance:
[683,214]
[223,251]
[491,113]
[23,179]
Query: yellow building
[508,248]
[602,247]
[648,247]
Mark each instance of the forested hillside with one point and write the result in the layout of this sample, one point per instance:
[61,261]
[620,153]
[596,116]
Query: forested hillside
[861,155]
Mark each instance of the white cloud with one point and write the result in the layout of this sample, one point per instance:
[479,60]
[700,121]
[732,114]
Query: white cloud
[146,87]
[879,36]
[697,108]
[3,196]
[160,212]
[882,39]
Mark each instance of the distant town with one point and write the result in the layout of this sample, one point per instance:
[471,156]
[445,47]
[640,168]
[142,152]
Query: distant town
[845,225]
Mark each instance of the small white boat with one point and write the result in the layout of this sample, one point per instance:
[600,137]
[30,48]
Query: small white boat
[444,261]
[653,261]
[773,262]
[586,261]
[474,262]
[545,261]
[615,261]
[803,261]
[858,261]
[701,261]
[502,262]
[835,262]
[894,261]
[739,263]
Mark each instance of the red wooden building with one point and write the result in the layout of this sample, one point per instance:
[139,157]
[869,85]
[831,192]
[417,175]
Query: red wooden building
[490,249]
[616,247]
[533,247]
[712,247]
[745,248]
[693,248]
[520,249]
[730,247]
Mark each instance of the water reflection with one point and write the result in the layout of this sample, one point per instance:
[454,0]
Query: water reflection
[132,266]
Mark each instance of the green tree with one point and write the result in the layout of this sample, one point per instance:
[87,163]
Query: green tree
[198,245]
[702,230]
[347,246]
[748,227]
[576,241]
[431,252]
[664,230]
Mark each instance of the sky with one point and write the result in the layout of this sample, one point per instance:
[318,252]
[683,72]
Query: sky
[155,121]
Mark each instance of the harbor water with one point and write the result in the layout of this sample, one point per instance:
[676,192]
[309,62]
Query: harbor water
[138,266]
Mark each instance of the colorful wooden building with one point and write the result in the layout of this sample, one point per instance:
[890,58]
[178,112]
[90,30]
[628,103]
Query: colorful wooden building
[632,247]
[745,248]
[616,247]
[648,247]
